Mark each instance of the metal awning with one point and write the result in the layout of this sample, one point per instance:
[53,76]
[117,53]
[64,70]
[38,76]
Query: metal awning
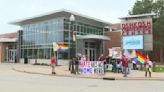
[99,37]
[8,39]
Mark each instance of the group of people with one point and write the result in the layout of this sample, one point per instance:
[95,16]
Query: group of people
[118,65]
[123,65]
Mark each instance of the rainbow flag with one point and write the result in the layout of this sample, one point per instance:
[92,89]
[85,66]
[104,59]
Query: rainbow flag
[140,58]
[63,48]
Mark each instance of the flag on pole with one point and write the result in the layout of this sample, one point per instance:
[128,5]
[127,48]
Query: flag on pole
[55,46]
[140,58]
[63,48]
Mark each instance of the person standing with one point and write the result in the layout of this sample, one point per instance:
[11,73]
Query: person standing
[53,64]
[148,69]
[77,60]
[102,60]
[125,64]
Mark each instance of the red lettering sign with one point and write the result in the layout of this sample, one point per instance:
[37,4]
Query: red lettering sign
[137,27]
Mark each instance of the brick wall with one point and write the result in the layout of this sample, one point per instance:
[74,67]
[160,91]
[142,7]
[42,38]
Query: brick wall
[115,41]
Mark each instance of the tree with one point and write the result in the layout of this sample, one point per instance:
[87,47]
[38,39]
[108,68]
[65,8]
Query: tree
[141,7]
[159,33]
[157,7]
[148,6]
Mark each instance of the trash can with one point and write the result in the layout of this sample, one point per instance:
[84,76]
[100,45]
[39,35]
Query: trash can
[25,60]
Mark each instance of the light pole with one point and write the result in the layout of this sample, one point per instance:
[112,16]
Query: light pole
[72,19]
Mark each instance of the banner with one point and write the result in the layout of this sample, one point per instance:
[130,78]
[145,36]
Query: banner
[91,67]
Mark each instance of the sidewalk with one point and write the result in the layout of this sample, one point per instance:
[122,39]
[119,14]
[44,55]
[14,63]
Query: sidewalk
[63,71]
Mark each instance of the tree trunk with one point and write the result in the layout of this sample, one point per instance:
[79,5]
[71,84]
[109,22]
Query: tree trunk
[161,54]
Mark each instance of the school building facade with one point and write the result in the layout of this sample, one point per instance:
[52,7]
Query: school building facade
[35,38]
[38,34]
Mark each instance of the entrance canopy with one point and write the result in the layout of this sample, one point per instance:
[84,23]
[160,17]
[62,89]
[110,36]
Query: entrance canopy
[8,39]
[99,37]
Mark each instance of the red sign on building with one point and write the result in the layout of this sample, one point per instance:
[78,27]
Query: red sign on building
[137,27]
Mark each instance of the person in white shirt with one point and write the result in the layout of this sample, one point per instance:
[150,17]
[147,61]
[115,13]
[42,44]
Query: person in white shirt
[148,66]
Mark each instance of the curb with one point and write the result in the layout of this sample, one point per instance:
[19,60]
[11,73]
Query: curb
[57,75]
[103,78]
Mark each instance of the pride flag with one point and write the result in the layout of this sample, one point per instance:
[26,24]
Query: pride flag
[140,58]
[63,48]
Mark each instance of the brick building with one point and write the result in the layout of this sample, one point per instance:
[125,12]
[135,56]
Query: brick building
[115,41]
[8,47]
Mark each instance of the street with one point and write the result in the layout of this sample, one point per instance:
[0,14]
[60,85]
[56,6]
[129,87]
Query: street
[12,81]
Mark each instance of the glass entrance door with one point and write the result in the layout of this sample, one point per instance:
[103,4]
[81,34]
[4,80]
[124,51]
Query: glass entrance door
[91,54]
[90,50]
[11,55]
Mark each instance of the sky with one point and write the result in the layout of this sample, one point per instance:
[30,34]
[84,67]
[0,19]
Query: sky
[107,10]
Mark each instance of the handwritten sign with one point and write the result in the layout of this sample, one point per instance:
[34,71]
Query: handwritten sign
[91,67]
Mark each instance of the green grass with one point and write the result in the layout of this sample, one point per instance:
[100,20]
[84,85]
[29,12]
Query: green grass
[159,69]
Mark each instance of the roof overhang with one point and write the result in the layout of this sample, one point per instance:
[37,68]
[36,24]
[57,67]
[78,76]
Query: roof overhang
[56,14]
[138,16]
[8,40]
[98,37]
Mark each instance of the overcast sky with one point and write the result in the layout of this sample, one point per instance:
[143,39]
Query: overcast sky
[108,10]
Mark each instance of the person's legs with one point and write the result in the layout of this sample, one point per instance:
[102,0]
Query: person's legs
[125,72]
[146,72]
[76,69]
[53,69]
[149,73]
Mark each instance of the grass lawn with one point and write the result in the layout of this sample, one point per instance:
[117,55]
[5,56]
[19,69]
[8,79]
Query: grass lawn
[159,69]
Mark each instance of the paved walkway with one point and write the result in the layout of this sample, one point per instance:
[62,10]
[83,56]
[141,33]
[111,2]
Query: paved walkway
[63,71]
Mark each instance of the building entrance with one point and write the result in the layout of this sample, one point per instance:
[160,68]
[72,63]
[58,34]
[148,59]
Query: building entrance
[90,50]
[11,55]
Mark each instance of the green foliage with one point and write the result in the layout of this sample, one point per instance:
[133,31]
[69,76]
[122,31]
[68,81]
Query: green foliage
[141,7]
[159,31]
[159,69]
[158,7]
[148,6]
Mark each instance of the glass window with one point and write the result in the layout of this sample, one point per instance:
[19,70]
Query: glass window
[41,53]
[60,36]
[66,36]
[22,53]
[62,55]
[66,26]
